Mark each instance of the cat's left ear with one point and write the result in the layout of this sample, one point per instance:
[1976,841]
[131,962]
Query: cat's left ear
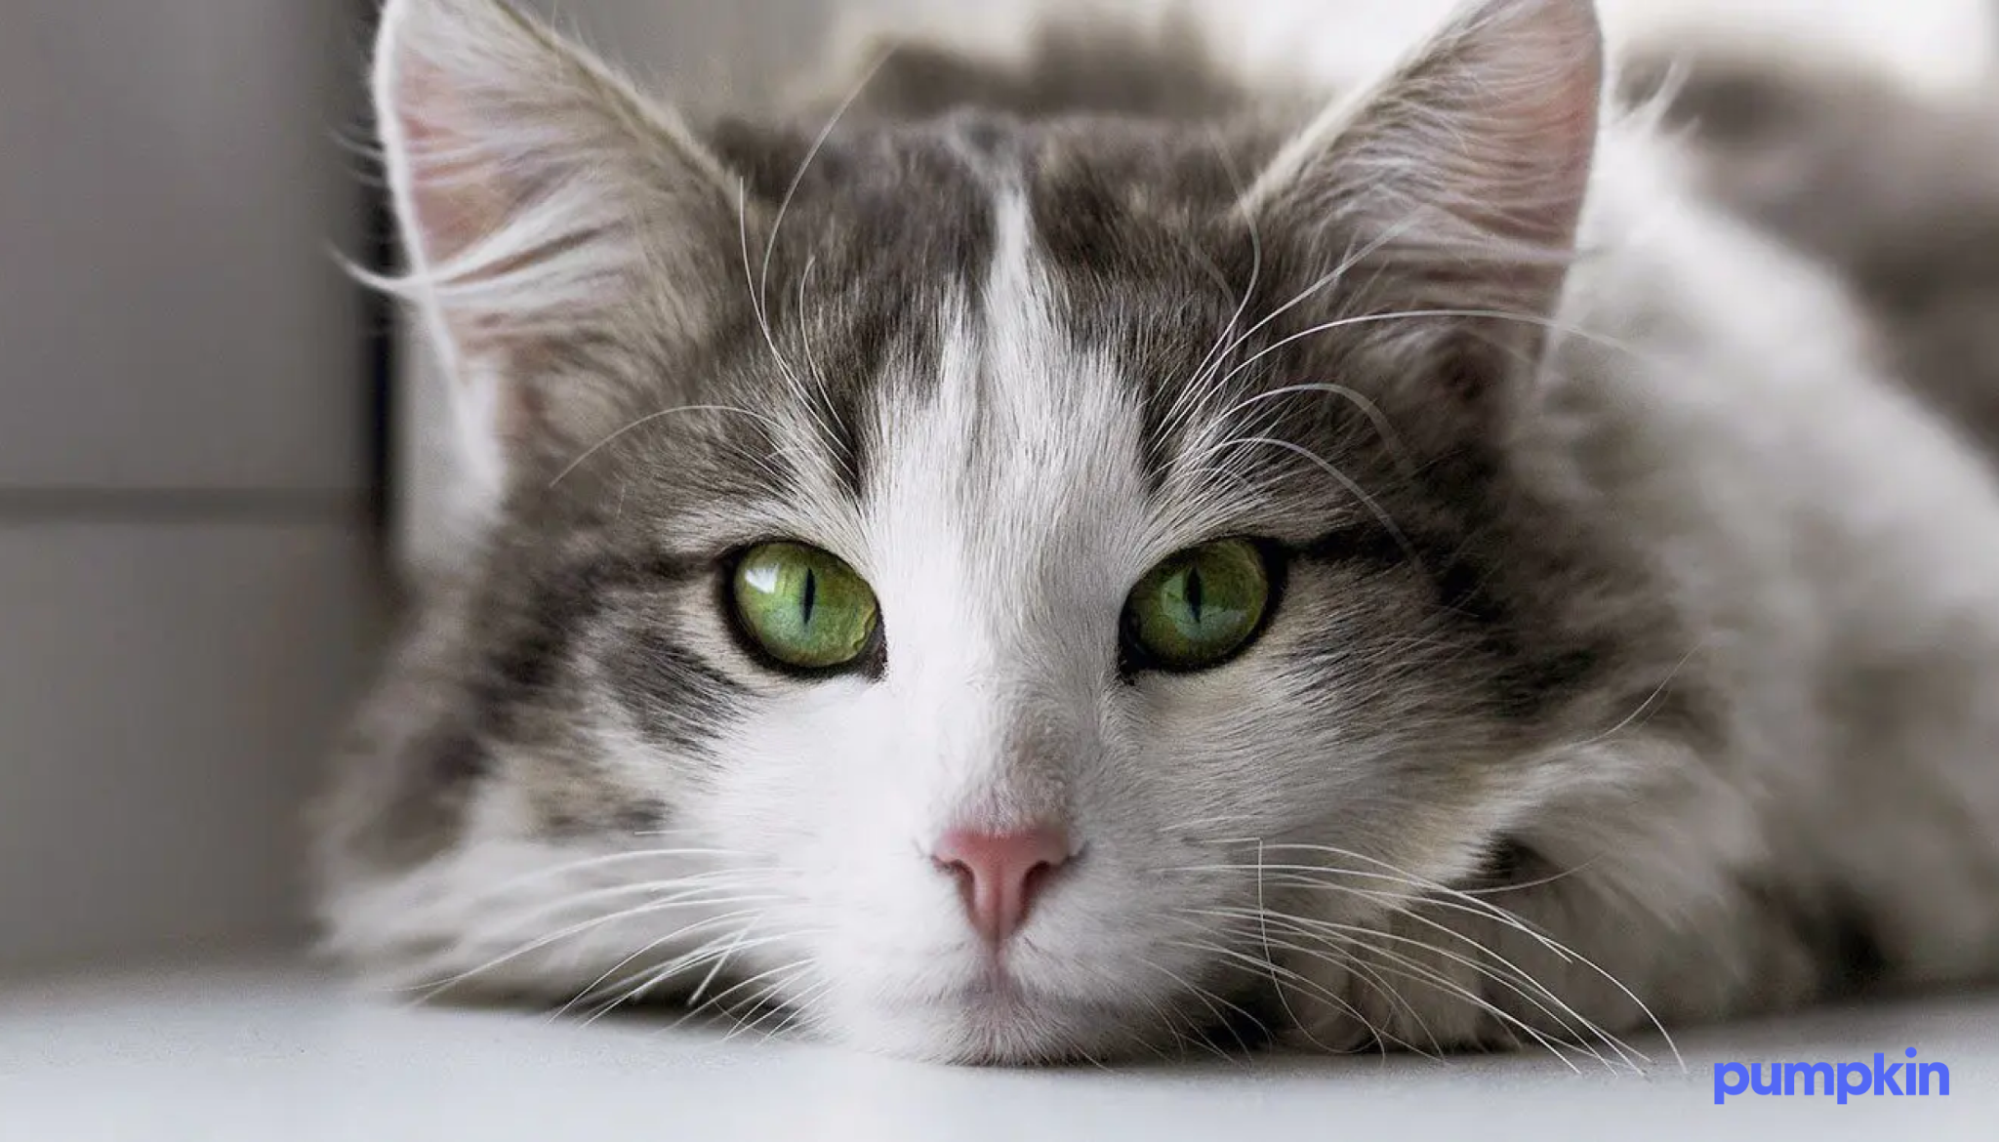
[531,179]
[1458,182]
[544,203]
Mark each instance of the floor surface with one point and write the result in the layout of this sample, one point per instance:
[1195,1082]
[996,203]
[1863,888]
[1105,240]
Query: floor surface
[224,1054]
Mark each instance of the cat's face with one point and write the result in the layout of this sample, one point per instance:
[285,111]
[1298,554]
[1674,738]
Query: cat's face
[955,580]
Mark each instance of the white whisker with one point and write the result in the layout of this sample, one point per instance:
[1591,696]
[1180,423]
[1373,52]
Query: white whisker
[1209,998]
[646,420]
[1343,480]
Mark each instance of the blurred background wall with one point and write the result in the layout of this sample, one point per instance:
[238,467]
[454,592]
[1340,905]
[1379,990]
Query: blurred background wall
[185,542]
[190,459]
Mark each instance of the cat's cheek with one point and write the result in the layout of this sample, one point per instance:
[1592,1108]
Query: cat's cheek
[1410,987]
[797,789]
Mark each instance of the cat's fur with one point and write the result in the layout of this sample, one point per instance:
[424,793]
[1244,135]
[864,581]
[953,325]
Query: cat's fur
[1899,192]
[1627,601]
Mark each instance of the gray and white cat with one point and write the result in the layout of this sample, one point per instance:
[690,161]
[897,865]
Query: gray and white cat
[1071,559]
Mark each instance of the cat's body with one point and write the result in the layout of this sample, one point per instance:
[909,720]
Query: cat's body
[1617,595]
[1897,193]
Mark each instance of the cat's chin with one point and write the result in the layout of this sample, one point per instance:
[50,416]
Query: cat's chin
[985,1023]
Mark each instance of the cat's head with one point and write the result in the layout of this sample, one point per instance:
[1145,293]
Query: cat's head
[948,576]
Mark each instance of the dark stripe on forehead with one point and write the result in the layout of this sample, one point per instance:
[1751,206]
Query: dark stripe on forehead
[1135,221]
[886,226]
[853,436]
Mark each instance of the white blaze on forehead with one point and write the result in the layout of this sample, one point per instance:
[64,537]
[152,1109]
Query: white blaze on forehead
[1000,519]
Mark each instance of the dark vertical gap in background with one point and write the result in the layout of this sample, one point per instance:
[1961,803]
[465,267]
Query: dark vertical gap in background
[378,312]
[381,363]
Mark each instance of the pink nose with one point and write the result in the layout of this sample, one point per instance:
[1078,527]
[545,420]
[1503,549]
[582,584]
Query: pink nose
[1000,873]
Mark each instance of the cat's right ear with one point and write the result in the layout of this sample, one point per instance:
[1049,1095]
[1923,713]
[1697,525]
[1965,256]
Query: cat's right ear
[539,194]
[1448,197]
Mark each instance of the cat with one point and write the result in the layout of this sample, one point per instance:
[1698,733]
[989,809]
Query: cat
[1030,562]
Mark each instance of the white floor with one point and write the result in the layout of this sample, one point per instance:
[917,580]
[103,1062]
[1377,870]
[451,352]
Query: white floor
[276,1052]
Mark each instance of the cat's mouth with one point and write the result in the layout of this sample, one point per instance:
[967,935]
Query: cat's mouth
[999,1018]
[990,989]
[994,987]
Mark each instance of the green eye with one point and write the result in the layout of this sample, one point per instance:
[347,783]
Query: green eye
[804,606]
[1199,607]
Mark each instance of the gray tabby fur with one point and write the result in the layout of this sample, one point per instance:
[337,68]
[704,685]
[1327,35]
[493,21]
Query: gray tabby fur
[1898,193]
[1637,643]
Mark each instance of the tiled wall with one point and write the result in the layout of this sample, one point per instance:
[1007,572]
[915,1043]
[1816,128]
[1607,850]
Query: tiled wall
[185,575]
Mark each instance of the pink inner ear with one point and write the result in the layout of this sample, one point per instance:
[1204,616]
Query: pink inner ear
[1530,77]
[1481,144]
[1553,145]
[455,196]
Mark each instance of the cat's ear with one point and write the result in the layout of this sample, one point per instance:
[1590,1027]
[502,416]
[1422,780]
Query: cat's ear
[538,194]
[1456,183]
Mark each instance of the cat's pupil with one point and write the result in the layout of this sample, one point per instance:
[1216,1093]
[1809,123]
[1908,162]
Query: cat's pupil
[1194,593]
[810,596]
